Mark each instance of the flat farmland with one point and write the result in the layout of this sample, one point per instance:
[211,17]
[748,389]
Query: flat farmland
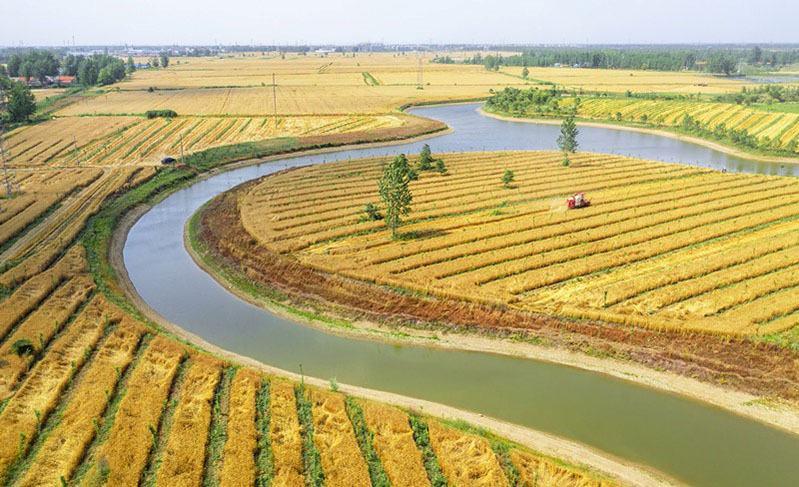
[661,246]
[123,140]
[291,99]
[102,398]
[334,69]
[774,129]
[620,80]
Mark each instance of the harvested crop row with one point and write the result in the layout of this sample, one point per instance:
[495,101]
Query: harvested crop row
[28,295]
[470,229]
[514,270]
[39,328]
[64,232]
[652,239]
[448,195]
[184,454]
[536,471]
[320,232]
[64,447]
[732,117]
[726,276]
[466,460]
[559,235]
[238,466]
[45,195]
[393,441]
[342,461]
[121,459]
[285,436]
[661,275]
[41,390]
[438,188]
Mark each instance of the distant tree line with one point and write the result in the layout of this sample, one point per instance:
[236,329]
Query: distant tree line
[95,69]
[766,94]
[724,61]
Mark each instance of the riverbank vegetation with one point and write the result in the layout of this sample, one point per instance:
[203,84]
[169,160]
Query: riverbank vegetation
[752,124]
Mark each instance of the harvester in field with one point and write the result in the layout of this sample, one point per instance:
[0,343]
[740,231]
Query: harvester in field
[577,201]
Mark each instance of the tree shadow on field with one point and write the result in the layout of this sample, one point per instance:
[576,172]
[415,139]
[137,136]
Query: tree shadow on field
[420,234]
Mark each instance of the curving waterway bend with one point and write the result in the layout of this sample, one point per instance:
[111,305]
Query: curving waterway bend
[688,440]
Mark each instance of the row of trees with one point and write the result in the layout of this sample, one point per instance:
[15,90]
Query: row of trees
[766,94]
[97,69]
[723,61]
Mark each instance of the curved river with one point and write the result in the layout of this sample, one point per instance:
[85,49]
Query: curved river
[688,440]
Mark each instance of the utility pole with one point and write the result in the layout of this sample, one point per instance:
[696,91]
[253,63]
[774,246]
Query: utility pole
[274,96]
[181,148]
[75,148]
[419,73]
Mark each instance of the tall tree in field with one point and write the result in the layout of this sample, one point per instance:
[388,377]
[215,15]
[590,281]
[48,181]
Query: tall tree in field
[21,102]
[525,72]
[131,66]
[395,191]
[567,140]
[164,61]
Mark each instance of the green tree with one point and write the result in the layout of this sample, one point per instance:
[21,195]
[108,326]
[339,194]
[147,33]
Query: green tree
[567,140]
[14,63]
[525,72]
[21,102]
[164,60]
[131,66]
[507,178]
[3,72]
[105,77]
[425,159]
[394,187]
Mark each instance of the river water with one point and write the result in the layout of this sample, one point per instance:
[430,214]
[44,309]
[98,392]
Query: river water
[688,440]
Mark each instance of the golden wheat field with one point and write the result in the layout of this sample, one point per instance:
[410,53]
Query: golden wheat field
[774,130]
[115,141]
[102,398]
[662,245]
[620,80]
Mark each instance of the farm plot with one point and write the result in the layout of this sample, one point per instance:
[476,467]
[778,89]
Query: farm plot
[661,245]
[56,140]
[776,129]
[104,400]
[146,142]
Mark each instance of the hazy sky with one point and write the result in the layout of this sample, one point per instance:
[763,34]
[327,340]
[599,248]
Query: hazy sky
[49,22]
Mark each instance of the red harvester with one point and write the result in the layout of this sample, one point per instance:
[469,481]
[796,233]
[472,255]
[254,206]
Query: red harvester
[577,201]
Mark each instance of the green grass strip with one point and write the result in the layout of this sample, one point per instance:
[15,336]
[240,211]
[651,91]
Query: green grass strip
[314,475]
[366,442]
[421,436]
[264,461]
[217,431]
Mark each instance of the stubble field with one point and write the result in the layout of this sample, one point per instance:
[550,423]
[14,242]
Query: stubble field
[662,245]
